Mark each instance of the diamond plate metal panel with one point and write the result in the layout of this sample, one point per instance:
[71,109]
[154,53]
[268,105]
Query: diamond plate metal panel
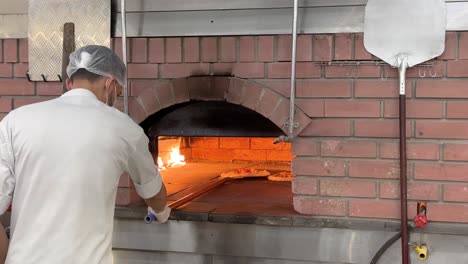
[46,20]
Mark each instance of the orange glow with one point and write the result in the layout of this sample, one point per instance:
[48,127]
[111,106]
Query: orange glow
[175,158]
[169,153]
[161,164]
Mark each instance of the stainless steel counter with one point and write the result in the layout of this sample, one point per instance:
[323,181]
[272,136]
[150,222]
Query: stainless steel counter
[290,240]
[222,242]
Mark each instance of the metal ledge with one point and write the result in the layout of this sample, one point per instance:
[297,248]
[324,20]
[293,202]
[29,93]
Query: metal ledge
[188,5]
[243,22]
[21,6]
[137,213]
[318,19]
[148,18]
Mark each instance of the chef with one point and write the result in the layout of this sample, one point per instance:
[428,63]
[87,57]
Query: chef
[60,165]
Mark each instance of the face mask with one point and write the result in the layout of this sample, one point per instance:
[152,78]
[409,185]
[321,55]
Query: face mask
[115,97]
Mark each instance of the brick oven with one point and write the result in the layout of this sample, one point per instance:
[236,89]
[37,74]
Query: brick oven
[344,160]
[222,124]
[345,157]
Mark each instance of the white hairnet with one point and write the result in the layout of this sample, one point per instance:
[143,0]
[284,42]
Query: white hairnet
[99,60]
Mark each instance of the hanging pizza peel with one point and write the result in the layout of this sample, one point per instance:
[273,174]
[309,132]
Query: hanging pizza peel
[404,33]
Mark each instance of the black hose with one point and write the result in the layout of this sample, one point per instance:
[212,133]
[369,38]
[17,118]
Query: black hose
[384,247]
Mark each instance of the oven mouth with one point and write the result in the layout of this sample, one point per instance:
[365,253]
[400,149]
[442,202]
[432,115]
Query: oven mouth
[215,137]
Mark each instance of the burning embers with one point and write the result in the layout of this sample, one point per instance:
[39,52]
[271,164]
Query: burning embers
[175,151]
[249,153]
[169,153]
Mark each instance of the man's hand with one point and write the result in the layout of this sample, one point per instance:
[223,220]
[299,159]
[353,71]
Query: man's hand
[158,211]
[159,217]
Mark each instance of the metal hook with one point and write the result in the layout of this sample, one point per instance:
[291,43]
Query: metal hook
[358,70]
[353,70]
[28,76]
[419,72]
[385,74]
[430,72]
[44,78]
[348,73]
[59,77]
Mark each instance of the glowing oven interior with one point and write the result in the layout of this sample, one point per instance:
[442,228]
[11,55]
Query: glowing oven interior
[194,144]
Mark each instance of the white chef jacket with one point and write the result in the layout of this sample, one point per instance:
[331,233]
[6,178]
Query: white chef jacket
[60,166]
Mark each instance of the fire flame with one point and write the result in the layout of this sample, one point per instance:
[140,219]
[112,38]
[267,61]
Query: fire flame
[161,164]
[175,159]
[169,153]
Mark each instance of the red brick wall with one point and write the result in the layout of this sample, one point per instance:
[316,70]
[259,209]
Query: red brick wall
[237,148]
[346,161]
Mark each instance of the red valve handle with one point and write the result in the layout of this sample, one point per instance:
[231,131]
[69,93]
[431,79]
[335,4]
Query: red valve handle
[420,220]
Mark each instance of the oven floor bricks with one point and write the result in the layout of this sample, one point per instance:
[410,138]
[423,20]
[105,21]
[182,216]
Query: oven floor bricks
[346,157]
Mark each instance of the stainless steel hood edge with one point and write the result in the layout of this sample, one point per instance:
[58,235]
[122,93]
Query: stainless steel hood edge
[147,18]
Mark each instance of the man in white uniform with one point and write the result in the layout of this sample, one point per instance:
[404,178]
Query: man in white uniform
[60,166]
